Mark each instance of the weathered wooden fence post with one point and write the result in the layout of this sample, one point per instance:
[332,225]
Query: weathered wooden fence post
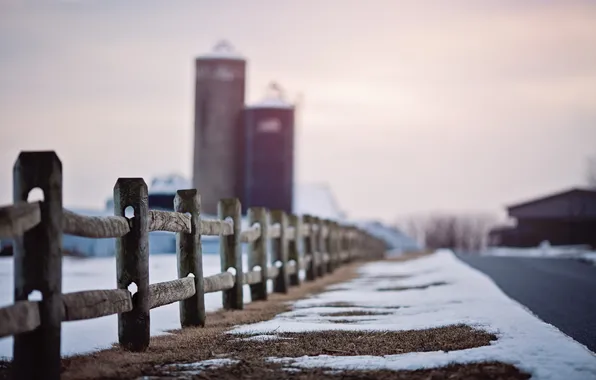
[324,249]
[231,253]
[330,243]
[340,244]
[308,248]
[38,266]
[257,251]
[318,251]
[190,257]
[294,248]
[353,243]
[132,262]
[280,252]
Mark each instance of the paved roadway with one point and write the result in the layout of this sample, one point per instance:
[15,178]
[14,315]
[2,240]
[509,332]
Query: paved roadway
[561,292]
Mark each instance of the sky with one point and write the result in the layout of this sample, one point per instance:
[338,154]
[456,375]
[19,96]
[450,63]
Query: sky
[409,106]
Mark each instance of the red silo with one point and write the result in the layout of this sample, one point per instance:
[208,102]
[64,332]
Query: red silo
[266,167]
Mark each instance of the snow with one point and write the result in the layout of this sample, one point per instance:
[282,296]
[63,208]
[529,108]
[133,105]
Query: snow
[223,50]
[265,337]
[100,273]
[468,297]
[271,102]
[546,250]
[193,369]
[316,199]
[396,240]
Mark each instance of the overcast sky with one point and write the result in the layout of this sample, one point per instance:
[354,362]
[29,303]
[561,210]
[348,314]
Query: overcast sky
[409,106]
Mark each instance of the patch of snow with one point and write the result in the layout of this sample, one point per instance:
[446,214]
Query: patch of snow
[317,200]
[223,50]
[397,241]
[469,297]
[545,250]
[264,337]
[193,369]
[271,102]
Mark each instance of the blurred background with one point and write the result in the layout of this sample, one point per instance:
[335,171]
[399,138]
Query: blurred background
[407,114]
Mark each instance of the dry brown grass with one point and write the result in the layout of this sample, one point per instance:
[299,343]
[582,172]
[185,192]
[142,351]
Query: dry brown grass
[273,371]
[198,344]
[181,346]
[343,343]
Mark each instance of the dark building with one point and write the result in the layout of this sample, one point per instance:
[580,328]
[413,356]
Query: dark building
[266,165]
[219,100]
[565,218]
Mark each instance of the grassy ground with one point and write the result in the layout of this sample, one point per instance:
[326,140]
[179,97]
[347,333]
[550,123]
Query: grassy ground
[198,344]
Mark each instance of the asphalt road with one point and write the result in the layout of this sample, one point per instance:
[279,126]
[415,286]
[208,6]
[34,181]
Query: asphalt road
[561,292]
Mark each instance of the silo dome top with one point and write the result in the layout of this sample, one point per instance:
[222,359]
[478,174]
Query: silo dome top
[274,98]
[223,50]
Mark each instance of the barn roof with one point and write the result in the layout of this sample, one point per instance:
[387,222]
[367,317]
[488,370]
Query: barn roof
[574,202]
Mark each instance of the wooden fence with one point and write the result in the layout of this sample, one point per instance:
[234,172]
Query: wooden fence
[37,230]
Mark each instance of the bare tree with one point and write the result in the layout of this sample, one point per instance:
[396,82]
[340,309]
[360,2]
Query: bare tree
[462,232]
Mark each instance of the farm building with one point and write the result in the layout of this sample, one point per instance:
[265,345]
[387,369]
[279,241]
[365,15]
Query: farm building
[564,218]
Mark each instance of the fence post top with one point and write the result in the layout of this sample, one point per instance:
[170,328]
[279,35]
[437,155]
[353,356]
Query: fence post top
[124,182]
[258,209]
[40,159]
[187,193]
[229,201]
[278,212]
[45,156]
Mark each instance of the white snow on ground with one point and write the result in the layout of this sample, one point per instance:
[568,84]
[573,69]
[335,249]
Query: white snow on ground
[193,369]
[469,297]
[545,250]
[100,273]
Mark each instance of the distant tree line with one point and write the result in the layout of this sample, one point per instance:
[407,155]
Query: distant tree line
[460,232]
[591,172]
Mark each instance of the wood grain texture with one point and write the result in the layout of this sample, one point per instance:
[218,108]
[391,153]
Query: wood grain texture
[251,234]
[17,218]
[190,257]
[309,245]
[279,252]
[290,233]
[132,262]
[38,266]
[274,231]
[253,277]
[165,293]
[218,282]
[169,221]
[21,317]
[294,247]
[272,273]
[95,303]
[305,230]
[211,227]
[291,268]
[231,252]
[95,226]
[257,251]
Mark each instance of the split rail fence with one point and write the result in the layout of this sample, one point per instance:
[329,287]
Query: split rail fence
[279,246]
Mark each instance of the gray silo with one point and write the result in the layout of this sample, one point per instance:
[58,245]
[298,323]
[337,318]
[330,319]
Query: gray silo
[219,100]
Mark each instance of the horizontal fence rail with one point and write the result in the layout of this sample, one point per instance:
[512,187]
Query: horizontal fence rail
[307,243]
